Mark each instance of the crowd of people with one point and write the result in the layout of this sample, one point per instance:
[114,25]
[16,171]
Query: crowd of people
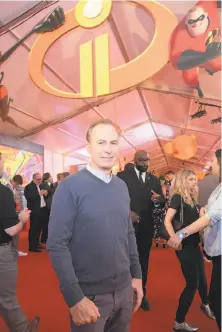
[99,230]
[37,197]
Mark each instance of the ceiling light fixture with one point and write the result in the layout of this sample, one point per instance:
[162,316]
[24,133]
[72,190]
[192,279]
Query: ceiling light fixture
[143,132]
[164,131]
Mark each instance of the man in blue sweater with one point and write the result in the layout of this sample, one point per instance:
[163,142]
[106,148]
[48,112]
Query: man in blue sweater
[92,243]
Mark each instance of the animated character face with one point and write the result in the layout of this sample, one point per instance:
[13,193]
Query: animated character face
[197,21]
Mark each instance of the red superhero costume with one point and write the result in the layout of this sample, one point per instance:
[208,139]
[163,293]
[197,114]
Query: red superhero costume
[193,43]
[5,103]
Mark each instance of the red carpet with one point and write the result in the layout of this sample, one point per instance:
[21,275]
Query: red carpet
[39,294]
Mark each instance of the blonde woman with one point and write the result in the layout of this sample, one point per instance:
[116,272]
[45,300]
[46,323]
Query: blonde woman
[210,221]
[184,208]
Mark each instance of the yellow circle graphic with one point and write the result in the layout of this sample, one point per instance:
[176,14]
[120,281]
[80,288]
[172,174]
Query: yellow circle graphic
[86,22]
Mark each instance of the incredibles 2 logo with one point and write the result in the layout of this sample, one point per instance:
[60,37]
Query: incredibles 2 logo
[96,77]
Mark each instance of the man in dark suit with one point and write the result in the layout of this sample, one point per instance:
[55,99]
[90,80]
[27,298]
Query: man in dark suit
[144,189]
[37,204]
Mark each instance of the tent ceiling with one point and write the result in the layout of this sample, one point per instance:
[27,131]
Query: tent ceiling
[14,12]
[150,115]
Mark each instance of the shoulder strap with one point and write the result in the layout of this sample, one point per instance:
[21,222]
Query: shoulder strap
[196,206]
[181,211]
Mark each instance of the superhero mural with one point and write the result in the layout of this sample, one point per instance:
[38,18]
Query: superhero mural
[196,43]
[5,103]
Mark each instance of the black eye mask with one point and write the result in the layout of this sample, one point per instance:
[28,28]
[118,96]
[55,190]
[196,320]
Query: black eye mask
[201,18]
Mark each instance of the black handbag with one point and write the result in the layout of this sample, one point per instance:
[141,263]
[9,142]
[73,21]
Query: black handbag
[177,224]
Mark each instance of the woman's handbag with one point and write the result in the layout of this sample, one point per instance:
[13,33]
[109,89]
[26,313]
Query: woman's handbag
[177,224]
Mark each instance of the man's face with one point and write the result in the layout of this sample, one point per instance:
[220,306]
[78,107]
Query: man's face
[197,22]
[169,177]
[50,180]
[215,166]
[191,181]
[37,179]
[142,161]
[104,146]
[60,178]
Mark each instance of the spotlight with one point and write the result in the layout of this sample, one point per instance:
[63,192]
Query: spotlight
[217,120]
[201,112]
[53,21]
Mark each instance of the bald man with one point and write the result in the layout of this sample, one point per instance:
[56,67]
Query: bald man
[36,203]
[144,188]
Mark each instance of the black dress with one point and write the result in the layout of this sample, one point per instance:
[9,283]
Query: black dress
[159,213]
[190,259]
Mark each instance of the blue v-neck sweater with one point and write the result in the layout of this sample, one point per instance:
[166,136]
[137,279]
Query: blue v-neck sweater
[91,240]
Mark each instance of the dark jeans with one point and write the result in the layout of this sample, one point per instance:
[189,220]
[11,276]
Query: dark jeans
[215,290]
[34,231]
[193,269]
[38,227]
[44,224]
[144,237]
[115,311]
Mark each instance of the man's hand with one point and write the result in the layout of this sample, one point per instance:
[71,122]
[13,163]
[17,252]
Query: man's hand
[206,259]
[135,217]
[84,312]
[175,242]
[155,196]
[24,216]
[138,289]
[42,192]
[203,211]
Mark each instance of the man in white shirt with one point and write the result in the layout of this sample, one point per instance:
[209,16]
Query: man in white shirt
[36,203]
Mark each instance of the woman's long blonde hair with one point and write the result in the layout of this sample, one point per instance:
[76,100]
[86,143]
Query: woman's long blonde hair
[181,187]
